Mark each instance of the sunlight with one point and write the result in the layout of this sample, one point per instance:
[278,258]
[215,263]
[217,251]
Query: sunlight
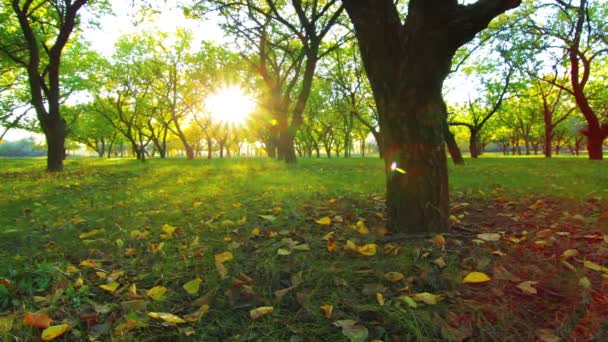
[230,105]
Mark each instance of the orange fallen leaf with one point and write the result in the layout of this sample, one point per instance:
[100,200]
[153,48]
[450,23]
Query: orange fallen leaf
[439,240]
[327,310]
[331,245]
[41,320]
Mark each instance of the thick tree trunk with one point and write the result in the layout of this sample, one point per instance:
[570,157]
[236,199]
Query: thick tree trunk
[595,141]
[55,139]
[548,141]
[287,151]
[453,147]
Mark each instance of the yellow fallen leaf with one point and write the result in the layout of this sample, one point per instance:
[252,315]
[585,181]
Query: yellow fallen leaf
[133,291]
[605,237]
[327,310]
[227,224]
[351,246]
[78,283]
[167,317]
[157,293]
[491,237]
[55,331]
[260,312]
[255,232]
[380,298]
[361,228]
[228,239]
[394,277]
[324,221]
[439,240]
[221,269]
[169,229]
[242,221]
[196,315]
[71,269]
[570,253]
[427,298]
[527,287]
[130,251]
[223,257]
[110,287]
[89,233]
[593,266]
[546,335]
[192,286]
[368,249]
[476,277]
[88,263]
[137,234]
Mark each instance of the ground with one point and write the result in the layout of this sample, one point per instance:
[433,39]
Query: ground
[251,249]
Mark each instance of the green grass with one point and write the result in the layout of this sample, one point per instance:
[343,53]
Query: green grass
[42,216]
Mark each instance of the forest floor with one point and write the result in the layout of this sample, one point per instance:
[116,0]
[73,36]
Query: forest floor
[254,250]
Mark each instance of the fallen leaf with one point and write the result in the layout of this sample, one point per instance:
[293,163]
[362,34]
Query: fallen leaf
[110,287]
[489,237]
[6,324]
[41,320]
[89,233]
[88,263]
[71,269]
[380,298]
[499,253]
[157,293]
[476,277]
[260,312]
[198,314]
[394,277]
[593,266]
[193,286]
[409,301]
[327,310]
[546,335]
[331,245]
[427,298]
[167,317]
[255,232]
[361,228]
[584,282]
[302,247]
[570,253]
[283,252]
[537,205]
[605,237]
[324,221]
[223,257]
[368,249]
[439,262]
[528,287]
[354,332]
[438,240]
[501,273]
[268,218]
[55,331]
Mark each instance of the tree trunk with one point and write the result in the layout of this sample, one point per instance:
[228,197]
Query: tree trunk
[453,147]
[595,141]
[55,139]
[474,144]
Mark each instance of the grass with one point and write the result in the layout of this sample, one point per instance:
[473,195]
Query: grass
[215,206]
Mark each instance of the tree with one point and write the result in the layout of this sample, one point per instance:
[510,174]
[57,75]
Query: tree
[43,30]
[579,31]
[406,63]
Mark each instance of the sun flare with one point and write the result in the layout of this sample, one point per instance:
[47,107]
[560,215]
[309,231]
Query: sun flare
[231,105]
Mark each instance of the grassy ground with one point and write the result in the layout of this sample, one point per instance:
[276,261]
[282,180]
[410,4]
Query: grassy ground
[161,224]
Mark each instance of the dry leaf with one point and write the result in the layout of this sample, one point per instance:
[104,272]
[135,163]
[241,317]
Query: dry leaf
[110,287]
[260,312]
[157,293]
[324,221]
[255,232]
[427,298]
[88,263]
[476,277]
[327,310]
[380,298]
[167,317]
[439,240]
[593,266]
[439,262]
[223,257]
[394,277]
[368,249]
[528,287]
[41,320]
[55,331]
[489,237]
[331,245]
[193,286]
[546,335]
[570,253]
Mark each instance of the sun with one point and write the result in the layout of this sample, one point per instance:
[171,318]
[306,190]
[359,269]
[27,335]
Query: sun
[230,105]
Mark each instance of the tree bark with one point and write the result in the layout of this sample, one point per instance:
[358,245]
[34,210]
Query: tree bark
[406,65]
